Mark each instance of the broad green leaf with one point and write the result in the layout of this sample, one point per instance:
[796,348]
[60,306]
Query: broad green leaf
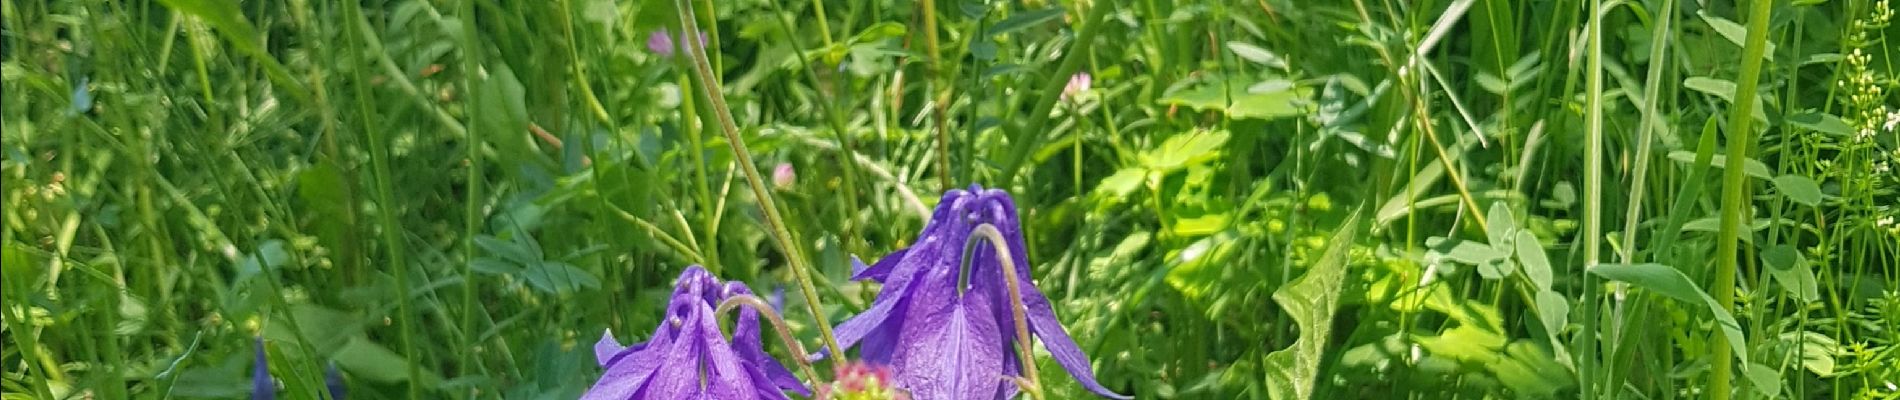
[1500,225]
[1764,379]
[1670,282]
[1799,188]
[558,277]
[1553,310]
[1821,122]
[367,360]
[1201,225]
[1233,99]
[1724,89]
[1467,343]
[503,107]
[1025,19]
[1531,255]
[1530,372]
[1465,251]
[1815,349]
[1790,269]
[1198,269]
[1752,167]
[1122,183]
[1256,54]
[1735,33]
[1311,301]
[1184,149]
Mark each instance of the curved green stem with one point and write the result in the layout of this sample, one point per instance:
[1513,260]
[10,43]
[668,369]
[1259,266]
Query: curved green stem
[1030,383]
[1593,202]
[778,324]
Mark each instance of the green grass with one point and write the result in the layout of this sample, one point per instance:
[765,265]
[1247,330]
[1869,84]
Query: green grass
[1256,199]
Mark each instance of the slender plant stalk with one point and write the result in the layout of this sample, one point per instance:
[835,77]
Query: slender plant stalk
[1652,91]
[709,87]
[1072,59]
[933,75]
[471,210]
[379,169]
[778,325]
[1031,383]
[1735,190]
[1592,201]
[838,127]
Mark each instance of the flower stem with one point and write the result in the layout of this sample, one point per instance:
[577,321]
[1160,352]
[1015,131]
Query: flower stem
[778,324]
[1735,190]
[1031,384]
[717,110]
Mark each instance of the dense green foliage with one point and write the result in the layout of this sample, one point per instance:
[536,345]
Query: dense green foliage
[1253,199]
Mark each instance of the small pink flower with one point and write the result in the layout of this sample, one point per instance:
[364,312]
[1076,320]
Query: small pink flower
[661,42]
[1078,83]
[784,176]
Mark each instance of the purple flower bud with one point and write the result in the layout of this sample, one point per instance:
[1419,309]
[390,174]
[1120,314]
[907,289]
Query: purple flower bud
[660,42]
[950,342]
[784,176]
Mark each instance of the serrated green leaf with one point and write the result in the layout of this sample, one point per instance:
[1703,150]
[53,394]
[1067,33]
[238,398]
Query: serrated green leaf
[1233,99]
[1183,150]
[1311,301]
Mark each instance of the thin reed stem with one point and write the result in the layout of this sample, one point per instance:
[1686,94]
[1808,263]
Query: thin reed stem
[781,234]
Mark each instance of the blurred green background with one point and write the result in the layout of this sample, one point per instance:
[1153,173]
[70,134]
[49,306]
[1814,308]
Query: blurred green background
[454,198]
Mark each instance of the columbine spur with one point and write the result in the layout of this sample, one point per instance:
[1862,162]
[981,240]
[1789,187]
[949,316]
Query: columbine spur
[947,333]
[688,358]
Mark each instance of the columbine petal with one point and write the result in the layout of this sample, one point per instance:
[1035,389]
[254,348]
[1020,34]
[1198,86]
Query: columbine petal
[262,388]
[688,357]
[938,336]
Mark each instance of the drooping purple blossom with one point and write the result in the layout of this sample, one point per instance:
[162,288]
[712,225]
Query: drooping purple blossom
[688,358]
[263,387]
[950,342]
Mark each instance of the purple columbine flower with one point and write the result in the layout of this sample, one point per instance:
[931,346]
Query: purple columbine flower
[687,356]
[263,387]
[951,342]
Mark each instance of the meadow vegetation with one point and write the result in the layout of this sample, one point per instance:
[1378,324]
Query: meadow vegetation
[1230,199]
